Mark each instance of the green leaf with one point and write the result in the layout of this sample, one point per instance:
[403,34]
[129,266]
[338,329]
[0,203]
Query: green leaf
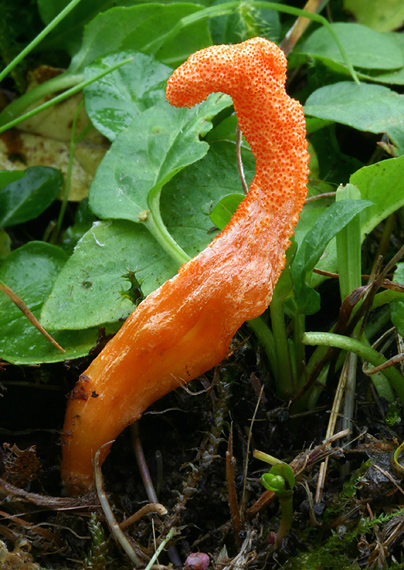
[349,246]
[113,101]
[134,28]
[275,483]
[381,183]
[5,244]
[224,209]
[397,307]
[284,470]
[88,289]
[8,176]
[226,130]
[83,221]
[110,249]
[334,166]
[395,77]
[369,108]
[326,226]
[26,198]
[381,16]
[68,34]
[284,286]
[187,199]
[30,271]
[366,48]
[144,157]
[308,217]
[275,480]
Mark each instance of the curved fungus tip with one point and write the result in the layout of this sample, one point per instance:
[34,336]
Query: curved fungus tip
[185,327]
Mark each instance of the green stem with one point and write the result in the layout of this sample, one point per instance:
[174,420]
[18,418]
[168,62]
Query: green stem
[284,381]
[348,409]
[158,229]
[349,269]
[267,341]
[285,524]
[64,95]
[162,544]
[38,38]
[349,246]
[262,456]
[59,83]
[310,399]
[365,352]
[299,327]
[230,7]
[379,321]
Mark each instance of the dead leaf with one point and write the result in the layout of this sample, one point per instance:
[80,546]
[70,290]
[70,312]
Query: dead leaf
[20,466]
[44,140]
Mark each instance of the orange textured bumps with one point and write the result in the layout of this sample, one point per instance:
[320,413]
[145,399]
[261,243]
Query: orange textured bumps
[185,327]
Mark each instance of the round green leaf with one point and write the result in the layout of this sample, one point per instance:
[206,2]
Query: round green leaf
[397,307]
[369,108]
[26,198]
[89,289]
[381,183]
[142,27]
[8,176]
[113,101]
[381,16]
[147,154]
[30,272]
[224,209]
[111,248]
[366,48]
[326,226]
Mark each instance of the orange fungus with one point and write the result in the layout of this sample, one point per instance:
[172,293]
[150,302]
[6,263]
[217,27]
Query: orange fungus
[185,327]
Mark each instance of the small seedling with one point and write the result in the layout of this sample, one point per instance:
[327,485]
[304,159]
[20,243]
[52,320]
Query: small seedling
[281,480]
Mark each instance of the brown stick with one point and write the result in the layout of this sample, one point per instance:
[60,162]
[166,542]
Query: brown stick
[30,316]
[298,28]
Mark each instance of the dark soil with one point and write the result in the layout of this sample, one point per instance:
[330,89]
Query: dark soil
[359,521]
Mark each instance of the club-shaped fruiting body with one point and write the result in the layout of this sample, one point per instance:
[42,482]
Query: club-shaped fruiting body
[185,327]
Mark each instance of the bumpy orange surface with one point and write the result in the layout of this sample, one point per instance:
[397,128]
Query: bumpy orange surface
[185,327]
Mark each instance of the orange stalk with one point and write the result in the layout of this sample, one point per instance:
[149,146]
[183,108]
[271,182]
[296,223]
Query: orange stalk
[185,327]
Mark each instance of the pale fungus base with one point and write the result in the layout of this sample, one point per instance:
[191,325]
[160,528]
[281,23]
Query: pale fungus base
[185,327]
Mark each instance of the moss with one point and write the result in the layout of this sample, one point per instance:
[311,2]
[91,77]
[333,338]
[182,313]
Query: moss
[97,557]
